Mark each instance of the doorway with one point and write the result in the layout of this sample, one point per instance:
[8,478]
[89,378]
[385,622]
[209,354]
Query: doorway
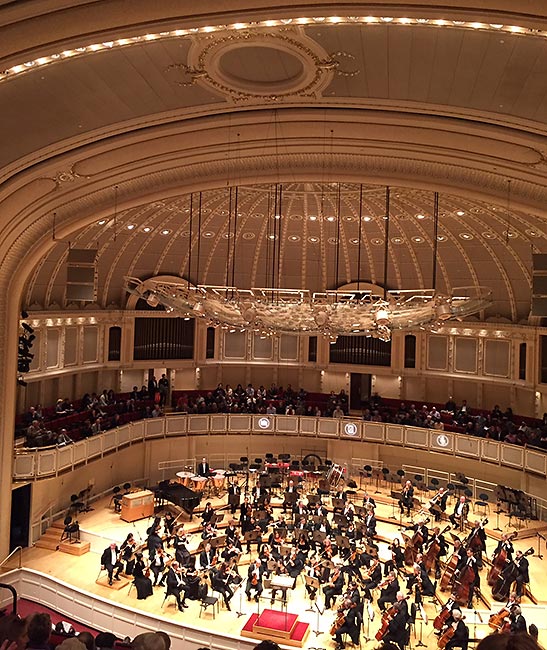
[359,391]
[20,517]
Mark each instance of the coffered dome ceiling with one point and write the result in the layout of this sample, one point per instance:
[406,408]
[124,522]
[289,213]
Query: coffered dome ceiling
[318,104]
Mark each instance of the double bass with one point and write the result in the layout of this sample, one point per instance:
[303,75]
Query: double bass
[501,590]
[443,616]
[433,551]
[499,562]
[414,545]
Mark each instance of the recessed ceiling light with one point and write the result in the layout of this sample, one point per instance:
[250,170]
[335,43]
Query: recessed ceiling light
[489,235]
[377,241]
[354,241]
[248,235]
[420,216]
[510,233]
[312,217]
[130,226]
[460,213]
[441,238]
[417,240]
[272,237]
[147,229]
[101,222]
[397,240]
[313,240]
[208,234]
[533,233]
[165,231]
[277,216]
[331,218]
[294,238]
[466,235]
[367,218]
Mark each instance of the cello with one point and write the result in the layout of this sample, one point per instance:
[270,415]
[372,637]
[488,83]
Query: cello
[440,620]
[387,616]
[499,562]
[497,621]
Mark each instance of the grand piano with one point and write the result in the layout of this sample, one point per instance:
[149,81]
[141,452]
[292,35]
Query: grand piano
[179,495]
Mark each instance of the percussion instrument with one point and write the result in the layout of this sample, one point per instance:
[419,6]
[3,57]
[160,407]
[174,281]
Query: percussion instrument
[219,479]
[185,478]
[334,474]
[199,483]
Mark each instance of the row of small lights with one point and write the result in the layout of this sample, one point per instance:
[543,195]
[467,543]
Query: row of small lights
[353,240]
[323,20]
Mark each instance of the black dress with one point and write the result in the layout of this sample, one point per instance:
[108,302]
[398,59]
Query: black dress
[141,582]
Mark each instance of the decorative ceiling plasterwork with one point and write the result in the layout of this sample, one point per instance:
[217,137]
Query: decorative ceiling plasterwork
[206,65]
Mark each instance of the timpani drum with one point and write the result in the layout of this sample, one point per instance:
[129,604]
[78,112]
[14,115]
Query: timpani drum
[185,478]
[219,479]
[198,483]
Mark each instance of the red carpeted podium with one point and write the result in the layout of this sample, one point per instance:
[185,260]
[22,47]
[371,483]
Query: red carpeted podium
[272,624]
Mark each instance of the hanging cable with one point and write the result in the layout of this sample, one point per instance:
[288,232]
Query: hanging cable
[360,230]
[190,239]
[338,200]
[435,239]
[386,242]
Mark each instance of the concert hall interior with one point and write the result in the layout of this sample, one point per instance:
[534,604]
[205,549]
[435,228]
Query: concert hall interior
[273,283]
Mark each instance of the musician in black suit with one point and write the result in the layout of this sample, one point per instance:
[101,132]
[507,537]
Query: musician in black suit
[203,468]
[291,495]
[368,501]
[254,579]
[153,542]
[388,591]
[177,586]
[506,545]
[406,500]
[207,513]
[220,581]
[182,554]
[477,541]
[522,576]
[207,557]
[438,538]
[234,496]
[157,565]
[333,587]
[396,630]
[370,523]
[111,562]
[461,510]
[299,509]
[437,505]
[351,623]
[460,639]
[517,620]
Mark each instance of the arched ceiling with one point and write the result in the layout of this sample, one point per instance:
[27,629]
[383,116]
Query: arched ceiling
[423,98]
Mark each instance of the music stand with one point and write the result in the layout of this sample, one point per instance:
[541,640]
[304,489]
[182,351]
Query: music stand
[282,532]
[396,496]
[285,550]
[217,542]
[372,550]
[376,473]
[338,504]
[216,519]
[252,536]
[342,542]
[319,536]
[341,521]
[361,511]
[312,582]
[313,499]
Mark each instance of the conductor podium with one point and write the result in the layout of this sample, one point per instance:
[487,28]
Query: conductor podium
[272,624]
[137,505]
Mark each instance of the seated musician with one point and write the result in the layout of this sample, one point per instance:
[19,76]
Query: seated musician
[127,550]
[220,581]
[505,544]
[252,527]
[350,623]
[207,557]
[299,509]
[437,505]
[292,565]
[372,576]
[388,590]
[168,524]
[396,629]
[461,510]
[322,525]
[333,587]
[209,532]
[182,554]
[260,496]
[477,541]
[368,500]
[203,468]
[469,563]
[397,560]
[437,538]
[348,512]
[177,585]
[313,571]
[302,546]
[254,579]
[406,499]
[234,496]
[266,517]
[153,541]
[207,513]
[420,532]
[522,576]
[111,562]
[231,530]
[319,510]
[157,566]
[460,636]
[142,582]
[231,552]
[291,495]
[517,620]
[370,523]
[423,584]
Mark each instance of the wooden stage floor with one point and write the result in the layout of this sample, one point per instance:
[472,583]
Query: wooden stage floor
[102,522]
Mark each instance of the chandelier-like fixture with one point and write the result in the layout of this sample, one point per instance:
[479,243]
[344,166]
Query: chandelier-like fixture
[297,311]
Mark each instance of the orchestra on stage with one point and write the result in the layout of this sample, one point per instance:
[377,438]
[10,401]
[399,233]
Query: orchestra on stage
[275,530]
